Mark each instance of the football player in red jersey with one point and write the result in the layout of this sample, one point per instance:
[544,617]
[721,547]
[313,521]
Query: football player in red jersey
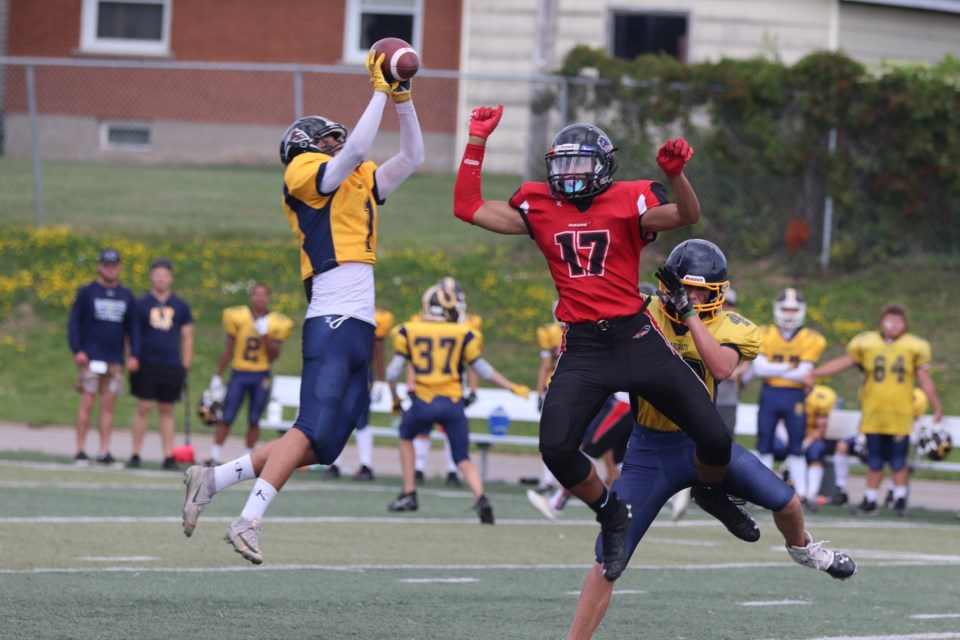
[591,231]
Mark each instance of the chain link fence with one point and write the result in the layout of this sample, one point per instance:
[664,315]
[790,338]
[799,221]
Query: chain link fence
[95,144]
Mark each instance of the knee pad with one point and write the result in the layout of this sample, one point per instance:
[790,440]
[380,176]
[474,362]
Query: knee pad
[570,468]
[715,451]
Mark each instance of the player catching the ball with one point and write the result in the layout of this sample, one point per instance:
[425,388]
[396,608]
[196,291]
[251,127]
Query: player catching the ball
[591,231]
[330,198]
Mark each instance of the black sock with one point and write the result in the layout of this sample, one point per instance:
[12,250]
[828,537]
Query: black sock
[606,505]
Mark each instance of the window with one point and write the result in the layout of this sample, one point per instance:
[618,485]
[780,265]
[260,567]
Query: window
[126,136]
[369,20]
[131,27]
[633,34]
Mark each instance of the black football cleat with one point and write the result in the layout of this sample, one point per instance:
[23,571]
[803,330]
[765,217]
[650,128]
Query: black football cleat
[712,499]
[613,535]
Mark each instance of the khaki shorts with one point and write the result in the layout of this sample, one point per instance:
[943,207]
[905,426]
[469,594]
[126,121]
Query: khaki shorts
[109,383]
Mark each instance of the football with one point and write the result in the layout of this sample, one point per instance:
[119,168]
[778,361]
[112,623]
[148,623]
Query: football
[401,61]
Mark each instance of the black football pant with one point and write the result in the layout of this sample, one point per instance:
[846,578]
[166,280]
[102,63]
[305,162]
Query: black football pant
[623,354]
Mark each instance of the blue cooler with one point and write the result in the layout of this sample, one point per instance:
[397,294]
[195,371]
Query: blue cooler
[499,422]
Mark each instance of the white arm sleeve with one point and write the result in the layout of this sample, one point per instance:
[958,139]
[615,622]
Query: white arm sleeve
[483,368]
[395,368]
[763,368]
[357,146]
[394,171]
[797,373]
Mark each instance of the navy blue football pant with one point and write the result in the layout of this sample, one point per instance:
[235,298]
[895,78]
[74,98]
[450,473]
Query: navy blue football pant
[658,464]
[334,386]
[421,417]
[623,354]
[781,403]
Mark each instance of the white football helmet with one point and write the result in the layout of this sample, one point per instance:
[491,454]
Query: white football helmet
[210,407]
[934,442]
[789,309]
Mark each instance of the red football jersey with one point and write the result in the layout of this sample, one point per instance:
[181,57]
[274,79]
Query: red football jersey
[594,256]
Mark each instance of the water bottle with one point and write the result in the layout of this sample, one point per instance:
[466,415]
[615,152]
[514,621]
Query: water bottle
[499,422]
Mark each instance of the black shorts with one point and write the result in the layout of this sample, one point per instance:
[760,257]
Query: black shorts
[157,382]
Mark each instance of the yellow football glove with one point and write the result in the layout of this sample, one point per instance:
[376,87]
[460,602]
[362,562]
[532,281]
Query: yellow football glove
[521,390]
[401,91]
[376,72]
[397,407]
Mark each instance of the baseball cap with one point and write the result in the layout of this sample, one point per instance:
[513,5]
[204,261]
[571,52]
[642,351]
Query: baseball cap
[162,262]
[108,255]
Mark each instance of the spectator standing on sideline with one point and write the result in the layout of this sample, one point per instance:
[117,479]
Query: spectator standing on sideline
[102,331]
[330,199]
[893,362]
[660,459]
[362,435]
[166,353]
[788,353]
[439,347]
[254,337]
[591,230]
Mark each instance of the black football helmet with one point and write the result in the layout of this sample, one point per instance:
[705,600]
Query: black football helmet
[700,263]
[581,162]
[440,304]
[305,134]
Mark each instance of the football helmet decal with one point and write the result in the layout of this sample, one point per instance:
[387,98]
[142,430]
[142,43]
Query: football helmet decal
[581,162]
[789,309]
[440,304]
[305,135]
[699,263]
[934,442]
[210,406]
[450,283]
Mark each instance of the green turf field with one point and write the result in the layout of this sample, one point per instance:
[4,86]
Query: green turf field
[95,553]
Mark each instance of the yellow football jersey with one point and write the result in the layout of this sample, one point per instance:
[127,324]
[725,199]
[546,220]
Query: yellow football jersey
[806,345]
[549,339]
[249,351]
[819,402]
[438,352]
[384,320]
[335,228]
[891,372]
[729,329]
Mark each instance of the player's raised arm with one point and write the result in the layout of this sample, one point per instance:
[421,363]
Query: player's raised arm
[468,202]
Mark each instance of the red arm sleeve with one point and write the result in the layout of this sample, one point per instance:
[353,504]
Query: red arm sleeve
[466,191]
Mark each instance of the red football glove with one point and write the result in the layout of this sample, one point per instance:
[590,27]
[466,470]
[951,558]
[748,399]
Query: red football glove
[673,155]
[483,120]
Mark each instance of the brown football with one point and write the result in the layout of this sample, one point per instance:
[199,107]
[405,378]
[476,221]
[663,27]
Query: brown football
[401,61]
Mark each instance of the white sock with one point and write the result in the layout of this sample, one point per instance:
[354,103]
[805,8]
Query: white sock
[767,460]
[338,461]
[421,448]
[215,451]
[870,495]
[260,498]
[230,473]
[841,470]
[364,439]
[814,480]
[899,492]
[548,478]
[797,465]
[451,465]
[559,499]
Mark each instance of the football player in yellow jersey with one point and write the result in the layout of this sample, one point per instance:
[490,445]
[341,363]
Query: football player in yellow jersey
[439,347]
[330,198]
[421,444]
[893,362]
[788,352]
[660,458]
[817,406]
[254,335]
[362,435]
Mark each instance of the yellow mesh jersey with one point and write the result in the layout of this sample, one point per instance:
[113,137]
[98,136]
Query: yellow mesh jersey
[549,338]
[819,402]
[729,329]
[384,320]
[806,345]
[890,370]
[249,352]
[438,352]
[920,402]
[332,229]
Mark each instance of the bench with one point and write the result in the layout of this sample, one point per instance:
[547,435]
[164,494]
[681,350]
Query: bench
[285,397]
